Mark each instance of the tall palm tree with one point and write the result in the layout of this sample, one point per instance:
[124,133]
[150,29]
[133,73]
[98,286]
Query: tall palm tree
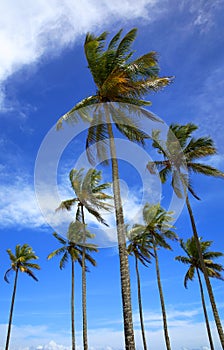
[158,228]
[121,83]
[20,262]
[72,248]
[181,150]
[213,269]
[91,196]
[139,247]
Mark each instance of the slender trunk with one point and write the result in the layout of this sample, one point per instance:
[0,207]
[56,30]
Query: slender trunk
[207,281]
[84,311]
[165,327]
[73,305]
[140,304]
[11,310]
[123,257]
[205,312]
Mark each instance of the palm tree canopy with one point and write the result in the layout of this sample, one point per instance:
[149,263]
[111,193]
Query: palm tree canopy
[139,245]
[89,193]
[158,224]
[121,80]
[117,77]
[182,150]
[73,246]
[21,261]
[157,227]
[192,259]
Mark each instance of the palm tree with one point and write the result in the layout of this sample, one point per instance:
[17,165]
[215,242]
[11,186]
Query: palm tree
[120,82]
[213,269]
[157,229]
[20,261]
[91,196]
[140,248]
[181,151]
[72,248]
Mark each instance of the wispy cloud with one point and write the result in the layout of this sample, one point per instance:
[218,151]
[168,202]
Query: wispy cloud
[109,338]
[208,106]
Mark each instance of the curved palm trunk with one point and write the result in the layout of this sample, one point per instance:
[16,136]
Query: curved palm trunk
[123,257]
[11,310]
[207,281]
[140,304]
[73,305]
[165,327]
[205,312]
[84,311]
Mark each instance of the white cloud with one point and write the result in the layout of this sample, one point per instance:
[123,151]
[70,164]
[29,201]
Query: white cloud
[28,31]
[19,207]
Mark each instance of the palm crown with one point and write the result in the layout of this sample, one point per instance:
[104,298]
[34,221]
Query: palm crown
[192,259]
[181,151]
[73,246]
[89,193]
[20,261]
[120,80]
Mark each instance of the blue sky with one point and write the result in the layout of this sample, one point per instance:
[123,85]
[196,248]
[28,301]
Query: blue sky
[43,73]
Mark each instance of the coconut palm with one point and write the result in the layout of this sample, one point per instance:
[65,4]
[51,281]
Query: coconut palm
[20,262]
[180,151]
[213,269]
[91,196]
[72,248]
[139,247]
[158,229]
[121,83]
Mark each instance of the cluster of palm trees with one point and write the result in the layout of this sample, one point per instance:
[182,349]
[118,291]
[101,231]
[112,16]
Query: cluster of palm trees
[121,84]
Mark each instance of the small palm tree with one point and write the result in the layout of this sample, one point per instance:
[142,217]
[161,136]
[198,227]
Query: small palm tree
[180,151]
[213,269]
[119,80]
[20,262]
[90,195]
[72,248]
[140,248]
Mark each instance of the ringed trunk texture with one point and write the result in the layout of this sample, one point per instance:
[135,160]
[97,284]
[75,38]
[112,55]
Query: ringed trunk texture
[165,326]
[123,257]
[73,305]
[84,311]
[11,310]
[207,281]
[140,304]
[205,311]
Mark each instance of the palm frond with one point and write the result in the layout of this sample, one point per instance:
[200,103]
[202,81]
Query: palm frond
[79,112]
[7,274]
[56,252]
[30,273]
[205,169]
[125,45]
[189,275]
[63,260]
[59,238]
[67,204]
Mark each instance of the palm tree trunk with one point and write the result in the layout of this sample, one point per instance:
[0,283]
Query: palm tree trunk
[11,310]
[72,305]
[123,257]
[165,327]
[205,312]
[207,281]
[140,304]
[84,311]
